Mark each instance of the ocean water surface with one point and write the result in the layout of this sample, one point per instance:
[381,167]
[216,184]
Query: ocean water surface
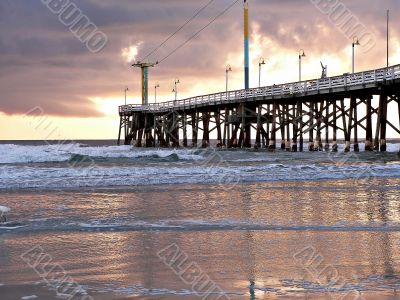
[123,223]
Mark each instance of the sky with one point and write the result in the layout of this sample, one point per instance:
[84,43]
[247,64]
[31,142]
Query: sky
[45,68]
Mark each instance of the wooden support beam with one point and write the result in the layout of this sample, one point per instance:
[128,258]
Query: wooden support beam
[356,145]
[195,126]
[161,124]
[175,130]
[126,129]
[398,103]
[167,131]
[184,124]
[335,128]
[378,128]
[311,126]
[343,114]
[301,124]
[247,129]
[383,120]
[217,116]
[267,136]
[257,145]
[368,137]
[226,127]
[139,138]
[234,140]
[287,124]
[295,123]
[393,127]
[326,121]
[350,125]
[318,141]
[206,131]
[119,131]
[281,115]
[272,142]
[146,133]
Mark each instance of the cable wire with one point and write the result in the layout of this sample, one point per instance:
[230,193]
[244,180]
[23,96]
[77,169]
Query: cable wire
[198,32]
[179,29]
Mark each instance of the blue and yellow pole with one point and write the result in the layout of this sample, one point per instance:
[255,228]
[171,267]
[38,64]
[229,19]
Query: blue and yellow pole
[145,85]
[145,80]
[246,45]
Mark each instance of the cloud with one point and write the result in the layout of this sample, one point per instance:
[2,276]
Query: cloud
[42,63]
[130,53]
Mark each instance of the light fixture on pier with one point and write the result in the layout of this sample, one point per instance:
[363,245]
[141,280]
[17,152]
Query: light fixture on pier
[261,62]
[356,42]
[301,55]
[126,89]
[155,92]
[175,90]
[227,70]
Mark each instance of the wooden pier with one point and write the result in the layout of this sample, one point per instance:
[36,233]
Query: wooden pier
[287,116]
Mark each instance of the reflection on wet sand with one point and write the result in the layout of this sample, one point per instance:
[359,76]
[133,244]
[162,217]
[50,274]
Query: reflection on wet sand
[245,263]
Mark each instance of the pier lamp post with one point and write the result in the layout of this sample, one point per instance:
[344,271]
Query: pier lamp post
[155,92]
[175,90]
[356,42]
[126,89]
[261,62]
[301,55]
[228,69]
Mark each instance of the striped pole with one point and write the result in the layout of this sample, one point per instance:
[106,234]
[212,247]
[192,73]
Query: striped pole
[145,85]
[246,45]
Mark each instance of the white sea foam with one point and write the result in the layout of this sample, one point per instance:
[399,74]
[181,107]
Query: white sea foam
[182,166]
[14,177]
[29,297]
[4,209]
[14,154]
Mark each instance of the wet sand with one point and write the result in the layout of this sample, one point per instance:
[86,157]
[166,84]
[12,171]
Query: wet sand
[294,240]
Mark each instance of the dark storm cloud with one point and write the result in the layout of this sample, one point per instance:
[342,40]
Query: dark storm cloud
[43,64]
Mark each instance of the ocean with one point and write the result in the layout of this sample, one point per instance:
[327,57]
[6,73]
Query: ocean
[91,220]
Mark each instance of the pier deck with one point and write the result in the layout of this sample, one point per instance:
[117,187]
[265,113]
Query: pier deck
[317,109]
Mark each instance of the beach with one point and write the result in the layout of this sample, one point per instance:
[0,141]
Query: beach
[294,226]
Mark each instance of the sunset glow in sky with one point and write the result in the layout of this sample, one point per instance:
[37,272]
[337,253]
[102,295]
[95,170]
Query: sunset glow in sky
[44,65]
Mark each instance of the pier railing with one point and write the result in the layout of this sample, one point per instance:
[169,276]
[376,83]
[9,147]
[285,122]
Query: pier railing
[275,91]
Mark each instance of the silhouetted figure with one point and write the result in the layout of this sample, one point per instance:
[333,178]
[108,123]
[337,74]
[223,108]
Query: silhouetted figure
[324,71]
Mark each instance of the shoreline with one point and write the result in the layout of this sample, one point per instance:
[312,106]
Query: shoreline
[166,186]
[42,292]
